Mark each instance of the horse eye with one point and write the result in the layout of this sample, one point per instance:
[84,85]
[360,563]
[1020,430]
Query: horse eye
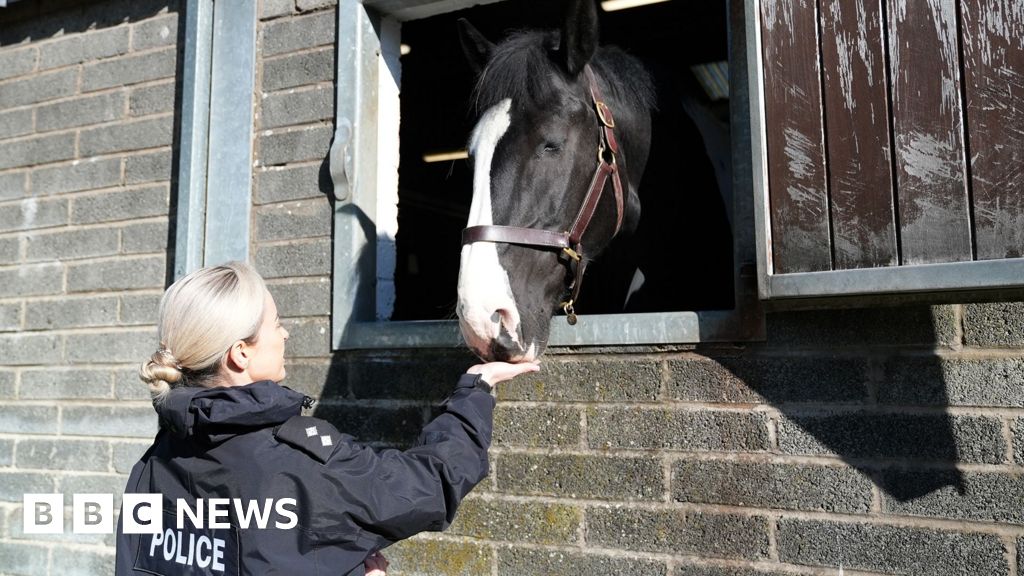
[552,147]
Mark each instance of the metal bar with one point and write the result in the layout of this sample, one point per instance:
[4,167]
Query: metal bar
[229,180]
[759,156]
[596,330]
[195,122]
[405,10]
[985,274]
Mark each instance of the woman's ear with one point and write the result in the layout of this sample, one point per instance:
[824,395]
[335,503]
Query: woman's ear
[237,359]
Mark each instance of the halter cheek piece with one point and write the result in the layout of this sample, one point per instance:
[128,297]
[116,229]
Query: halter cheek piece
[569,243]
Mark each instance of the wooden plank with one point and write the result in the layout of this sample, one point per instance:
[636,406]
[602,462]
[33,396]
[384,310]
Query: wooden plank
[857,113]
[795,141]
[928,132]
[993,45]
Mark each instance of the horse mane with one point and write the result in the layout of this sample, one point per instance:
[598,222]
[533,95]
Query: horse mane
[521,68]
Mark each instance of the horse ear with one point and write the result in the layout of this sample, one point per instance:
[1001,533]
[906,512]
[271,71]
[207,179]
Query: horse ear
[579,35]
[476,48]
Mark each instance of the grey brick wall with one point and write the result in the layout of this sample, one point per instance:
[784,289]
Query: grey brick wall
[86,118]
[873,441]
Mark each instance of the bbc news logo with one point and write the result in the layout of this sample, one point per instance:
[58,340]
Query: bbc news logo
[144,513]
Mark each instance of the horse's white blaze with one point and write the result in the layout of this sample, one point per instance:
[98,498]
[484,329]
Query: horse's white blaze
[483,284]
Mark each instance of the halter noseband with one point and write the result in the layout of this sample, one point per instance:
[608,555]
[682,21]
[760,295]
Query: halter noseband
[570,243]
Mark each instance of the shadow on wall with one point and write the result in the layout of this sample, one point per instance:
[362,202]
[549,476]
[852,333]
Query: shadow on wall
[866,386]
[33,21]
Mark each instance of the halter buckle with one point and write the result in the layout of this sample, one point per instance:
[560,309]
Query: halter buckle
[570,312]
[571,253]
[604,113]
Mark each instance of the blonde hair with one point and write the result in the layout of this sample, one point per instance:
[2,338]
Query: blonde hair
[201,316]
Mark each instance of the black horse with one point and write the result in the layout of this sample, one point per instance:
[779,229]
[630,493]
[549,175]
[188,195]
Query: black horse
[563,120]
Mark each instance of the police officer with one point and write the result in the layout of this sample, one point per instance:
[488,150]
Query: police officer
[248,485]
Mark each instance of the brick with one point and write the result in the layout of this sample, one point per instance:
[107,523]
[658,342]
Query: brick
[769,379]
[162,31]
[13,185]
[302,298]
[140,309]
[298,259]
[28,419]
[297,107]
[65,384]
[128,385]
[10,317]
[71,245]
[7,384]
[122,274]
[395,426]
[132,422]
[889,549]
[155,99]
[308,338]
[37,150]
[304,5]
[144,238]
[770,485]
[6,460]
[63,454]
[930,437]
[404,377]
[536,426]
[155,166]
[873,327]
[134,346]
[10,250]
[80,112]
[93,484]
[32,213]
[292,183]
[17,62]
[32,280]
[719,431]
[679,532]
[14,485]
[274,8]
[78,48]
[986,497]
[704,570]
[128,136]
[935,381]
[309,379]
[129,70]
[294,220]
[16,123]
[70,313]
[581,476]
[298,70]
[585,380]
[292,34]
[84,562]
[37,88]
[514,560]
[295,146]
[79,175]
[126,454]
[418,556]
[29,349]
[24,558]
[541,523]
[994,325]
[120,205]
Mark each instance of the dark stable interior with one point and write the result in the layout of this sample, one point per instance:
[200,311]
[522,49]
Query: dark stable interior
[684,235]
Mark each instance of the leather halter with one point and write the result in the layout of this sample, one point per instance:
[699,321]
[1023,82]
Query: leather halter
[570,243]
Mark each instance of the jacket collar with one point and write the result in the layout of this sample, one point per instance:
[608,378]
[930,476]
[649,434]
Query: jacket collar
[216,414]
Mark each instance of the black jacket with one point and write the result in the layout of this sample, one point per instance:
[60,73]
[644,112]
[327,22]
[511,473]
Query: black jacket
[250,443]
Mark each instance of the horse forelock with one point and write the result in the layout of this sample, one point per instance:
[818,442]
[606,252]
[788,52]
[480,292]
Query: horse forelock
[522,69]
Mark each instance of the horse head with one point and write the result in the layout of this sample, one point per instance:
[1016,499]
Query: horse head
[546,142]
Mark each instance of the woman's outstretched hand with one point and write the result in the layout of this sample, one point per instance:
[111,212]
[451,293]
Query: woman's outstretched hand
[495,372]
[376,565]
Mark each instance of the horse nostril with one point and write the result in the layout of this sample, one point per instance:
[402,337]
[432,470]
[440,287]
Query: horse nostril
[504,317]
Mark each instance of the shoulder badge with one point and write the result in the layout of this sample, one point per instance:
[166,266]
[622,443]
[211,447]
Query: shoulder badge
[314,436]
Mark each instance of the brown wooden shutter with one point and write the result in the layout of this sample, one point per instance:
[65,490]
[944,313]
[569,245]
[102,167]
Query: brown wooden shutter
[891,137]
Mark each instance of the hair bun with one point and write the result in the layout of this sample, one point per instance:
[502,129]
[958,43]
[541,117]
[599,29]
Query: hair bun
[160,372]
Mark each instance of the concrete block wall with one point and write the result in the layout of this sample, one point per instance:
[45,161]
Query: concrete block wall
[859,442]
[87,104]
